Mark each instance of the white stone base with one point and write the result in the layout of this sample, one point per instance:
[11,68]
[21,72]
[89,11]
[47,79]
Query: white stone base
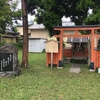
[91,70]
[59,67]
[98,70]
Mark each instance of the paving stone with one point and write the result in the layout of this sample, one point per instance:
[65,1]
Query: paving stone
[75,68]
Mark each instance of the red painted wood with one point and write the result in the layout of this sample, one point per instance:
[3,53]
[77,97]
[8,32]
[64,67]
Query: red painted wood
[77,28]
[95,54]
[97,59]
[56,58]
[67,52]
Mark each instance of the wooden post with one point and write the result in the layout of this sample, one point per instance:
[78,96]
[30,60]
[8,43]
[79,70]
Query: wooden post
[92,46]
[89,53]
[47,59]
[61,44]
[61,49]
[92,50]
[51,60]
[76,33]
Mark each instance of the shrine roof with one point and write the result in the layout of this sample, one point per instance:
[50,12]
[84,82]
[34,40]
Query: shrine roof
[77,27]
[77,40]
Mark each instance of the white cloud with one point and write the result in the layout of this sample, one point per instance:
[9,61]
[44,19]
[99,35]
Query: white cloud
[90,11]
[30,18]
[65,19]
[19,5]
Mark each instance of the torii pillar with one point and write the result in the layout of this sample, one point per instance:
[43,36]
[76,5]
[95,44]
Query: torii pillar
[61,49]
[92,50]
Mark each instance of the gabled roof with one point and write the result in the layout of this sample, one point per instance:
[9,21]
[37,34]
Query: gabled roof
[78,26]
[21,24]
[12,32]
[37,26]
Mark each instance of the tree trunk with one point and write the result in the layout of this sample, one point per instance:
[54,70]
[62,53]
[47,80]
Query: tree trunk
[25,34]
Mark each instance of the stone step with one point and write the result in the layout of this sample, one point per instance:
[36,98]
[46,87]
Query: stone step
[75,68]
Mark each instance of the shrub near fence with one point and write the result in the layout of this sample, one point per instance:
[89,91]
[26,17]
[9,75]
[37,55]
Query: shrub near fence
[2,43]
[19,44]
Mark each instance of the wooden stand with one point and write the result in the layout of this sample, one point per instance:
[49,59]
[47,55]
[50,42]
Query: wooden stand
[51,60]
[51,47]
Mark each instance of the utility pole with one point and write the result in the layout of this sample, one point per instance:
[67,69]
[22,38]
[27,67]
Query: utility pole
[25,34]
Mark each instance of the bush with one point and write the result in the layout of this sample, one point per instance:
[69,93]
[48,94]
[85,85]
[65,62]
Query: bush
[43,51]
[19,45]
[2,43]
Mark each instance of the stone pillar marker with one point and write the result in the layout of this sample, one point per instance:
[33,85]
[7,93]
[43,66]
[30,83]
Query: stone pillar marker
[9,64]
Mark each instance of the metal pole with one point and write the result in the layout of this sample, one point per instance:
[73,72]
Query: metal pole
[51,60]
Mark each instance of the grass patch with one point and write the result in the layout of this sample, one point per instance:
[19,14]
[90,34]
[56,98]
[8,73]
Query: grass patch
[43,83]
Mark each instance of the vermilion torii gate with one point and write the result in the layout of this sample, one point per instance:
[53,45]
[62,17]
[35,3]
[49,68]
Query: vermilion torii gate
[92,36]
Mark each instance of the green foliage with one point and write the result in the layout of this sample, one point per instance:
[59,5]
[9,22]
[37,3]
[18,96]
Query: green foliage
[8,13]
[43,51]
[93,18]
[2,43]
[50,12]
[5,15]
[14,29]
[18,44]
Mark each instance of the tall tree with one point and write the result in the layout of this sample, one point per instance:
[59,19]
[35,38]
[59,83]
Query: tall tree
[94,17]
[25,34]
[50,12]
